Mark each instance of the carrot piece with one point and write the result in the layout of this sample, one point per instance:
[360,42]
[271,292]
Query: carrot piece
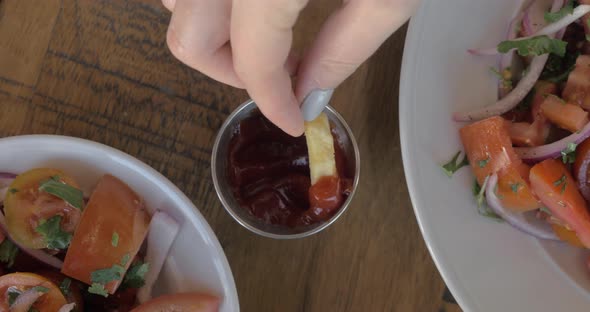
[552,182]
[567,116]
[488,147]
[113,210]
[514,191]
[577,88]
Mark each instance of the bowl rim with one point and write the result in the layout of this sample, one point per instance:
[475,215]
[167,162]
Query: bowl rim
[224,127]
[182,202]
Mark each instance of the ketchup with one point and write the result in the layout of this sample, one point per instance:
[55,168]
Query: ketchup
[269,176]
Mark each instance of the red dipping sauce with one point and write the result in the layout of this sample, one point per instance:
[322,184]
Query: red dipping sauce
[269,176]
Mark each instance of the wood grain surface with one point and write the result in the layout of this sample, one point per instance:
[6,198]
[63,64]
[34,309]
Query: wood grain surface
[100,70]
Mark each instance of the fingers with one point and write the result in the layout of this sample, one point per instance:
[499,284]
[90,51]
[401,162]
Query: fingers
[198,36]
[350,36]
[261,39]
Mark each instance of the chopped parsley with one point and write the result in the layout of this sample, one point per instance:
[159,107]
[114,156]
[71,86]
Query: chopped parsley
[135,275]
[561,182]
[514,187]
[567,9]
[104,276]
[55,237]
[568,155]
[454,165]
[98,289]
[537,45]
[68,193]
[8,252]
[115,239]
[125,259]
[41,289]
[482,163]
[65,286]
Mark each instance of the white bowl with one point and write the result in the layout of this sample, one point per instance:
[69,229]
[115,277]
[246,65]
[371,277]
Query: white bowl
[488,266]
[196,261]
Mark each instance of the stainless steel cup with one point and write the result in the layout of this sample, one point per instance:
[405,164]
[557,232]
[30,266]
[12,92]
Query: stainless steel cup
[219,163]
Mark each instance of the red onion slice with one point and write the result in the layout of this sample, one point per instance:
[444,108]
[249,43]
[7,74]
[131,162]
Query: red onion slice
[512,99]
[26,300]
[524,222]
[67,307]
[162,232]
[552,150]
[35,253]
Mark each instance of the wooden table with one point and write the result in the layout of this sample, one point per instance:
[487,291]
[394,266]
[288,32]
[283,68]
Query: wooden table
[101,70]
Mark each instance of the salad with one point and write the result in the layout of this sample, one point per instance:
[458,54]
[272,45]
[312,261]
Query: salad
[530,150]
[61,251]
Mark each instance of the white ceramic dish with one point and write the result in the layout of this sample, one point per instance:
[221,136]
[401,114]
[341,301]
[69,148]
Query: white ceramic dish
[488,266]
[196,261]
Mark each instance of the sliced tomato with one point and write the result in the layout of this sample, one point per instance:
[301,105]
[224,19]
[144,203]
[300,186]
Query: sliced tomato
[26,207]
[73,293]
[577,88]
[542,90]
[113,210]
[565,115]
[526,134]
[514,191]
[566,235]
[553,184]
[186,302]
[51,301]
[488,147]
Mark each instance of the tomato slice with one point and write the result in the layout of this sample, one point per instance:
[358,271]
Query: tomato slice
[526,134]
[514,191]
[488,147]
[27,206]
[566,235]
[186,302]
[49,302]
[565,115]
[553,184]
[113,209]
[577,88]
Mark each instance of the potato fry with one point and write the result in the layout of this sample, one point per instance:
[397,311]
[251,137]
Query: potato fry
[320,145]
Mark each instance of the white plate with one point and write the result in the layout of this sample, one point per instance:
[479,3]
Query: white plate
[488,266]
[196,261]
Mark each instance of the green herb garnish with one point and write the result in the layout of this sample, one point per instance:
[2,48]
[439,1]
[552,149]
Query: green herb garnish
[51,230]
[546,210]
[125,259]
[506,81]
[537,45]
[12,191]
[568,155]
[514,187]
[562,181]
[68,193]
[8,252]
[115,239]
[41,289]
[98,289]
[65,286]
[104,276]
[567,9]
[482,163]
[480,196]
[454,165]
[135,275]
[13,294]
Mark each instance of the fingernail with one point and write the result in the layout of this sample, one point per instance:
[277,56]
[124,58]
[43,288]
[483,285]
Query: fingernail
[314,103]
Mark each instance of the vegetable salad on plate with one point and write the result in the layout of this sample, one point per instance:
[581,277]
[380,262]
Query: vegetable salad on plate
[530,150]
[60,251]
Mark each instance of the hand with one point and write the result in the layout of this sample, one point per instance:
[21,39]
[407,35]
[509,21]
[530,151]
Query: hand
[247,44]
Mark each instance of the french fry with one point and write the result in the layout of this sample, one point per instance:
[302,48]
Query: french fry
[320,145]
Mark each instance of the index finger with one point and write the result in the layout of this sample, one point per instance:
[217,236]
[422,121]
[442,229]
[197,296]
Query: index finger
[261,36]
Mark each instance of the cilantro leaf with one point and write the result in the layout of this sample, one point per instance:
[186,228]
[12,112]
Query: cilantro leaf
[482,163]
[480,196]
[68,193]
[41,289]
[453,165]
[534,46]
[557,68]
[514,187]
[103,276]
[65,286]
[8,252]
[568,155]
[53,234]
[115,239]
[567,9]
[98,289]
[135,275]
[125,259]
[562,181]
